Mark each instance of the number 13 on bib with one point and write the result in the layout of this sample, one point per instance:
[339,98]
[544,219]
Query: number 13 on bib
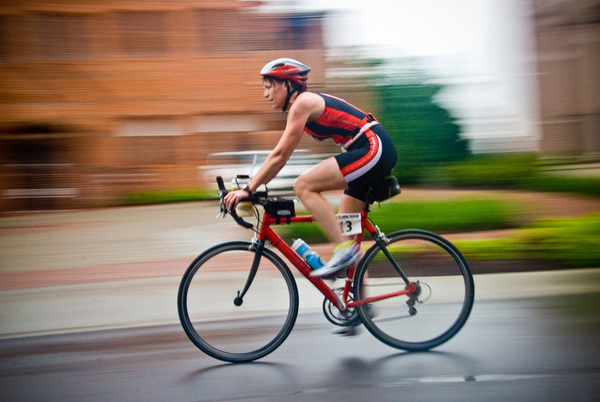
[350,223]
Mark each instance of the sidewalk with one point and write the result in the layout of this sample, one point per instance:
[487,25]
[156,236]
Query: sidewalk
[152,301]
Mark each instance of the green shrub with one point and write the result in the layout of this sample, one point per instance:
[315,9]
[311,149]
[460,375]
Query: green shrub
[510,170]
[515,171]
[566,184]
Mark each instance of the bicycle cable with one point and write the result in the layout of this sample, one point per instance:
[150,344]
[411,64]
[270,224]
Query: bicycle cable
[258,220]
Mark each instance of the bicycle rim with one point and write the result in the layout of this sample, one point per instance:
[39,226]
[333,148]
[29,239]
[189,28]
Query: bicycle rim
[233,333]
[446,291]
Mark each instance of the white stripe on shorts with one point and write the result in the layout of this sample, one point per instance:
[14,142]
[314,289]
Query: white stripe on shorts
[360,171]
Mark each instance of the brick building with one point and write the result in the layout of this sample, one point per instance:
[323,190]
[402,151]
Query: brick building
[98,100]
[102,99]
[567,34]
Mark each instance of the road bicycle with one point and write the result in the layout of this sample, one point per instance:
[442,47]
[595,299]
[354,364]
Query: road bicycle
[238,301]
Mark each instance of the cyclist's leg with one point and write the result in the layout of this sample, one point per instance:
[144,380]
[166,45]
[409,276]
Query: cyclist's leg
[350,204]
[324,176]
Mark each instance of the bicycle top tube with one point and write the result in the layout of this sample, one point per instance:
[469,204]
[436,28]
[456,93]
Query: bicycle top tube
[273,206]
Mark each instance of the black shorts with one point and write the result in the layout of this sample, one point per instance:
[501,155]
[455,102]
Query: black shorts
[372,157]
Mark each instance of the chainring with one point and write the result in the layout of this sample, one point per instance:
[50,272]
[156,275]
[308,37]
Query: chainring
[347,318]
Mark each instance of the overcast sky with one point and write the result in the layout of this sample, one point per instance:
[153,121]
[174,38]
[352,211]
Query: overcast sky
[419,27]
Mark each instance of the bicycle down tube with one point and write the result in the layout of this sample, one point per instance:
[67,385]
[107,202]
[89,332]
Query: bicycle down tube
[267,233]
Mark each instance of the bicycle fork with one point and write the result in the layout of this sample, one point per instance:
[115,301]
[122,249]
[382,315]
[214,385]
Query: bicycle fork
[258,246]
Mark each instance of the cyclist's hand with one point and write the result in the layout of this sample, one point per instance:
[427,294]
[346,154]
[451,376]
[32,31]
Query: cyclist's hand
[234,197]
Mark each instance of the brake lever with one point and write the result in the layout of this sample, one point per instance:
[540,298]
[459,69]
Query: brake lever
[222,208]
[222,211]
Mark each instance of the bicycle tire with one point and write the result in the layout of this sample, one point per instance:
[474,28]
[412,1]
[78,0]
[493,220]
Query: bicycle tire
[445,281]
[210,316]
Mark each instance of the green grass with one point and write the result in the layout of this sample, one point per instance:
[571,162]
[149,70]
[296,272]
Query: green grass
[569,242]
[446,216]
[437,216]
[566,242]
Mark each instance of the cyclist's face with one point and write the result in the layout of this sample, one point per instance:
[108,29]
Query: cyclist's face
[275,93]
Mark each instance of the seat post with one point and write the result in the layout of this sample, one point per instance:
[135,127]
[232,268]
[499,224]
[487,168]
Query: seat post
[367,207]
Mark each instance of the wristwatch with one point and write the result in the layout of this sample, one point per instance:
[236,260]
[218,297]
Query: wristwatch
[247,189]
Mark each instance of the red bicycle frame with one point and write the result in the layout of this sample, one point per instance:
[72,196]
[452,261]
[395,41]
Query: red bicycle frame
[267,233]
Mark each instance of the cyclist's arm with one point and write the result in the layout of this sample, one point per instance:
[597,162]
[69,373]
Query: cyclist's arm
[294,130]
[299,113]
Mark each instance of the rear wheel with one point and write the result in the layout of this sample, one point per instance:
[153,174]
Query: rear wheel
[210,310]
[438,308]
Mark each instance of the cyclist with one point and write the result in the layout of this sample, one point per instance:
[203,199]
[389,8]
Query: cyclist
[368,153]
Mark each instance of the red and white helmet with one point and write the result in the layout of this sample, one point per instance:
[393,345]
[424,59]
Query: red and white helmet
[287,69]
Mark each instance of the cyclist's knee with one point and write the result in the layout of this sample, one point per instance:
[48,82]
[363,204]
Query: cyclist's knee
[303,186]
[300,186]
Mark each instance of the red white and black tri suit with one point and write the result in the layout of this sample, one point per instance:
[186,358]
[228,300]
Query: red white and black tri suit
[368,151]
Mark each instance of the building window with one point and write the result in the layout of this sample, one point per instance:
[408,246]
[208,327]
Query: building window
[4,38]
[220,31]
[64,37]
[144,33]
[149,128]
[261,32]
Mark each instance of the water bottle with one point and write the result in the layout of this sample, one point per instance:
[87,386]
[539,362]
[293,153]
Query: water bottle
[304,250]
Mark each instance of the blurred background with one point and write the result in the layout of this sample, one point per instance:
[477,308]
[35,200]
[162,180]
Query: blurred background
[104,101]
[494,109]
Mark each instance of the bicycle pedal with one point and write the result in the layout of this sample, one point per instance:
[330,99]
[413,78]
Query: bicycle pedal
[337,275]
[348,331]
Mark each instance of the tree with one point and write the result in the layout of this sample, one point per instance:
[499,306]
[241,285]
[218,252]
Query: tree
[425,134]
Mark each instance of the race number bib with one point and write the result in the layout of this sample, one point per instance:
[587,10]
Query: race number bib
[349,223]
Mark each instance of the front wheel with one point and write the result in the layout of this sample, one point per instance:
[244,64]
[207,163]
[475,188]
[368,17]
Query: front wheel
[228,327]
[443,296]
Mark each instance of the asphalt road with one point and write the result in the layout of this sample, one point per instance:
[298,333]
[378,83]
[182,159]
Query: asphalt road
[534,349]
